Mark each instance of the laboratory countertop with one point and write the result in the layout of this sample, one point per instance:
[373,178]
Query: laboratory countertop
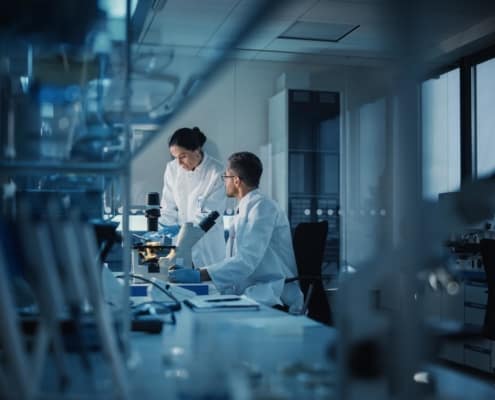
[256,354]
[221,353]
[264,354]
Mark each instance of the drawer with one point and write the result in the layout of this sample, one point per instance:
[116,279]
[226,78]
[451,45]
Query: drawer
[475,294]
[477,358]
[474,314]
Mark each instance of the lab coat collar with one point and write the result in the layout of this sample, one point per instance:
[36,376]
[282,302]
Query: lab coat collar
[202,164]
[243,203]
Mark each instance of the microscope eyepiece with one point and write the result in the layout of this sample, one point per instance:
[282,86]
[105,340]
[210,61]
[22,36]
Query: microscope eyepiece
[153,199]
[152,212]
[208,221]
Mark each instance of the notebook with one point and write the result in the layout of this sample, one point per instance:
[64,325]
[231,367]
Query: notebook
[225,302]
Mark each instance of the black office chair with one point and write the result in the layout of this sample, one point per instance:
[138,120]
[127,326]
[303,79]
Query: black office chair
[487,249]
[309,246]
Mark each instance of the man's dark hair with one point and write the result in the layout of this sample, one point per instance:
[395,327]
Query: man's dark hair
[247,166]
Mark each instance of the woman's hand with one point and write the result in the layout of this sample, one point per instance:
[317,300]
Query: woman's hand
[169,230]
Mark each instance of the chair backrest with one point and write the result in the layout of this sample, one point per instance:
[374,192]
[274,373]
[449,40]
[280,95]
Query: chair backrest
[487,249]
[309,246]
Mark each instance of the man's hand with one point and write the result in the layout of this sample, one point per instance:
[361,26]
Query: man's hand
[184,275]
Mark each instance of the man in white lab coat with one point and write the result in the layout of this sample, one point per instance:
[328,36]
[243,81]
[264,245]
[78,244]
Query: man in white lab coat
[259,248]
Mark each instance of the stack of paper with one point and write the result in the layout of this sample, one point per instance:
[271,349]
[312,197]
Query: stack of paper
[221,303]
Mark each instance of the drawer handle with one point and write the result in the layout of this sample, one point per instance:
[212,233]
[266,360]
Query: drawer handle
[474,305]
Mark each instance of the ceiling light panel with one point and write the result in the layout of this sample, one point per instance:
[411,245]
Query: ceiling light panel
[326,32]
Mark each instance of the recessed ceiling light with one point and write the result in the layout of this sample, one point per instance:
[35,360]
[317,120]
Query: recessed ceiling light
[318,31]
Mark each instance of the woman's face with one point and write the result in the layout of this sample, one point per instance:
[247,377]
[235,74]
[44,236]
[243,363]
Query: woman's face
[187,159]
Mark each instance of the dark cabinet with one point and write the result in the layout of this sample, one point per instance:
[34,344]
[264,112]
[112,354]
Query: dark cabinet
[305,136]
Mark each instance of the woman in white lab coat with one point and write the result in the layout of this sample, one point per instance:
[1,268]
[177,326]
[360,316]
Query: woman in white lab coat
[192,188]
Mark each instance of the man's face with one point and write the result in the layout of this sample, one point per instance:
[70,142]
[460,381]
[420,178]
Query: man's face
[188,159]
[230,179]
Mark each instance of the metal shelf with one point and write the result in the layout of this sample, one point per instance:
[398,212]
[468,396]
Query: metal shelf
[42,167]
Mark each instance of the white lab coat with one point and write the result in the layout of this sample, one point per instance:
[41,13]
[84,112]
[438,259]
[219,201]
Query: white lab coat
[188,196]
[259,255]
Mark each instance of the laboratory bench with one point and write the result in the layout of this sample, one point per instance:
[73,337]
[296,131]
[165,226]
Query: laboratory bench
[263,354]
[266,354]
[227,355]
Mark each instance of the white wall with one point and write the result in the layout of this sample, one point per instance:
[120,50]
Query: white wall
[232,111]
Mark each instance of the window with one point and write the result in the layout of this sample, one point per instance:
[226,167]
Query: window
[441,143]
[372,119]
[485,118]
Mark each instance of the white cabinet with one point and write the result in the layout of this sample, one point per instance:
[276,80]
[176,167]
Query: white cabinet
[278,127]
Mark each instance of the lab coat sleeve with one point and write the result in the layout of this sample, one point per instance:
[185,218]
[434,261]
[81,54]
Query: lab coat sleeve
[252,240]
[169,214]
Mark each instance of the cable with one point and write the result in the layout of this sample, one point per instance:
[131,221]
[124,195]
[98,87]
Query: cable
[175,307]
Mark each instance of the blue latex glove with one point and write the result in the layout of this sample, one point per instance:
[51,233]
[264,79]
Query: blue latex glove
[169,230]
[184,275]
[151,236]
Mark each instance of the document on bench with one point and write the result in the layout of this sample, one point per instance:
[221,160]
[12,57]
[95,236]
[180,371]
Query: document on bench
[218,302]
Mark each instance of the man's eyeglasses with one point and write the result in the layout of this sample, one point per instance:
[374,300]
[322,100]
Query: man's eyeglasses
[227,176]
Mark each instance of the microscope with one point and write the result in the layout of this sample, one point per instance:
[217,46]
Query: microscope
[150,258]
[188,236]
[146,254]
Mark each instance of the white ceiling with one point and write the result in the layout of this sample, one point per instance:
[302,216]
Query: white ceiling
[180,41]
[210,24]
[203,25]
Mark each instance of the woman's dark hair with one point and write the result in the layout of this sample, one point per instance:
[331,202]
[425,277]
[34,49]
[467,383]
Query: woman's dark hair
[189,139]
[247,166]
